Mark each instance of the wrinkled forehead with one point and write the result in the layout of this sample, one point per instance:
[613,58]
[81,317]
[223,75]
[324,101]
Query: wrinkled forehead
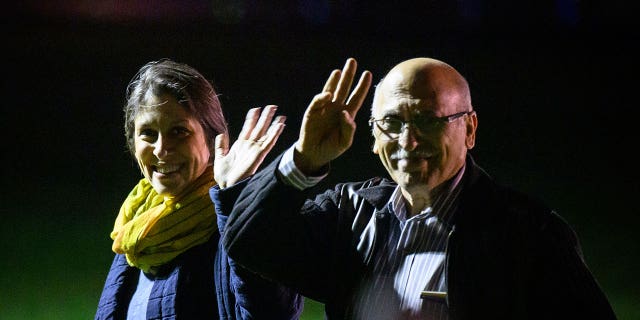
[401,105]
[399,97]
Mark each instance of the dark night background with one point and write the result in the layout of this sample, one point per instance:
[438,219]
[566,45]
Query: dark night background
[552,82]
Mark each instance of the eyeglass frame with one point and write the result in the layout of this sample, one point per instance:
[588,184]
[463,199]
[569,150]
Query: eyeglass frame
[443,120]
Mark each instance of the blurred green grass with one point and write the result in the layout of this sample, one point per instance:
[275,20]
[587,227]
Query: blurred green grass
[57,254]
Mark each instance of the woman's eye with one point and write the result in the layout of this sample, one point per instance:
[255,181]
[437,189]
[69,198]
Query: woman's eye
[181,132]
[147,133]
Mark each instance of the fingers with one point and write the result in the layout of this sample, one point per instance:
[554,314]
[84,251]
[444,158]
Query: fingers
[263,123]
[332,81]
[346,79]
[249,123]
[256,123]
[272,135]
[339,85]
[359,94]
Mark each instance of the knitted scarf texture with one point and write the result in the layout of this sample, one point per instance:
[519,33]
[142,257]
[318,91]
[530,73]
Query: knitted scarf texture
[151,229]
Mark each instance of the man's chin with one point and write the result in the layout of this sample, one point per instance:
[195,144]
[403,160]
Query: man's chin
[412,182]
[411,165]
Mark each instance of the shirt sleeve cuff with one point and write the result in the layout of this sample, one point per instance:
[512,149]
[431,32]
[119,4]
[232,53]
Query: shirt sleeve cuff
[291,175]
[228,196]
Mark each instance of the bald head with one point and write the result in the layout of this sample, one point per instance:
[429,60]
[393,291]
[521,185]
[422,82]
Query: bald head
[434,98]
[426,79]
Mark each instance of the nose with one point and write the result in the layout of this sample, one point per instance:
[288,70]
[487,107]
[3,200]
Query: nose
[408,139]
[162,147]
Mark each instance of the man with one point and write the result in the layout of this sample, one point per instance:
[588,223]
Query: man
[440,241]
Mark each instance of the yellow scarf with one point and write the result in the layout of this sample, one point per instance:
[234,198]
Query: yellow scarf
[151,229]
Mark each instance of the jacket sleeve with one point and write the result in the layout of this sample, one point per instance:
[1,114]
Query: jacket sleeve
[558,282]
[243,294]
[272,229]
[513,257]
[566,283]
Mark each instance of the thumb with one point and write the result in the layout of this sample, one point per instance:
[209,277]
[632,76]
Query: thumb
[221,145]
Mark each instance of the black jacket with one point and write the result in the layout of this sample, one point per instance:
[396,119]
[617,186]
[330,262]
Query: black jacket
[508,257]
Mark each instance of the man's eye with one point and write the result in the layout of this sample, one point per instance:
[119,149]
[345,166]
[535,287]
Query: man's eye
[428,123]
[392,124]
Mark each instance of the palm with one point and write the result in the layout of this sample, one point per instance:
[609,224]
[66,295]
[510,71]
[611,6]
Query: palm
[328,126]
[255,141]
[329,134]
[242,160]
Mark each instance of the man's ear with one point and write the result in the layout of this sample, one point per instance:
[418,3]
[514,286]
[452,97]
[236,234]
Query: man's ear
[375,147]
[471,126]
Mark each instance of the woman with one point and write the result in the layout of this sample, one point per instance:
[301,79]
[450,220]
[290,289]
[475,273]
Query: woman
[168,264]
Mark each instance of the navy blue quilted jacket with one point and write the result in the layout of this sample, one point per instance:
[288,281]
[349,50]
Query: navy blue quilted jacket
[201,283]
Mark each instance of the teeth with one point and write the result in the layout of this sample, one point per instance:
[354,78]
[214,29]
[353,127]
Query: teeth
[167,168]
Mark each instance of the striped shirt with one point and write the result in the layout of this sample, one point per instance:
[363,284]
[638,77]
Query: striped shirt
[407,278]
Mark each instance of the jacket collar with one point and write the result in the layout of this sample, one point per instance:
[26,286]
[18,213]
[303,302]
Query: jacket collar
[380,190]
[379,193]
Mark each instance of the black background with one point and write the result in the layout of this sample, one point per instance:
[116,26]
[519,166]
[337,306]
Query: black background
[553,83]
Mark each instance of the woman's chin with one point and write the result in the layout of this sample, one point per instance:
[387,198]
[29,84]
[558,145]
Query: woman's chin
[166,188]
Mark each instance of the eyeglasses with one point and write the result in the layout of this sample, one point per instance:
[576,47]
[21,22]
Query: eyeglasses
[393,127]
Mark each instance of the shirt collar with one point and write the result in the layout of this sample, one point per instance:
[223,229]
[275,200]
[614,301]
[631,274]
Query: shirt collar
[444,196]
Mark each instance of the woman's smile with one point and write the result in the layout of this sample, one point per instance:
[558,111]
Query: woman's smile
[170,146]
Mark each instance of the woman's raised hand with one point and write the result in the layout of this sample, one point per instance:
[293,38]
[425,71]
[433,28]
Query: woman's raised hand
[257,137]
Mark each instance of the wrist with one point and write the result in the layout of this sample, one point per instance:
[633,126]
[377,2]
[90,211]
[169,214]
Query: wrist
[305,165]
